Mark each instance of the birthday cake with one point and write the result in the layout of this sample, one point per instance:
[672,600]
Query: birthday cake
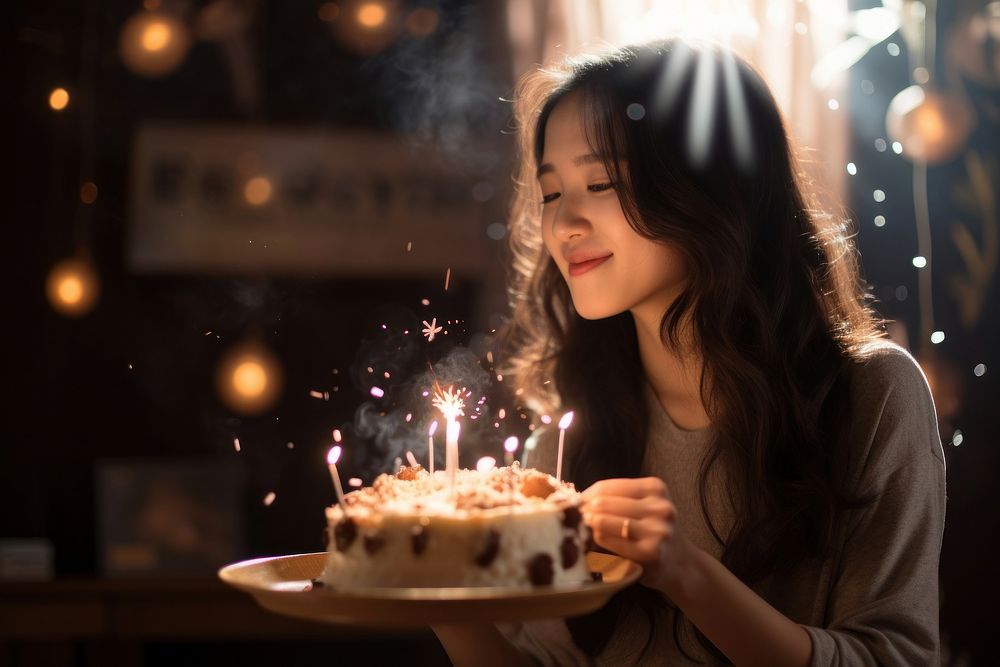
[508,526]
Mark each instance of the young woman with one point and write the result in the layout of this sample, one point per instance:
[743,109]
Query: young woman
[741,430]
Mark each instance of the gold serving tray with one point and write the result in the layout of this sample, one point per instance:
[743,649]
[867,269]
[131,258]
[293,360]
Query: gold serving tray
[283,584]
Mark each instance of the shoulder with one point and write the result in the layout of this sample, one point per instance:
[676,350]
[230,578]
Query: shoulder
[884,369]
[893,418]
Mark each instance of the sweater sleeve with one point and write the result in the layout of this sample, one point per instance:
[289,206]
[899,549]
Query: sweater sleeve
[884,605]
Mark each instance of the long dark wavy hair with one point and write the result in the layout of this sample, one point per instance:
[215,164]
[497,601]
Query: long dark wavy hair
[695,145]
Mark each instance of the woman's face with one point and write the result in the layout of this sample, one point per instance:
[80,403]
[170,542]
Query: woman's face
[608,267]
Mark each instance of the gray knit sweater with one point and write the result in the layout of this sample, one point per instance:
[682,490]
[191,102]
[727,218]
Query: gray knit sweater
[876,601]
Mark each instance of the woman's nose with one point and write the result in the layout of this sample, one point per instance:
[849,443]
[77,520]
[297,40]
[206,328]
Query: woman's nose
[571,220]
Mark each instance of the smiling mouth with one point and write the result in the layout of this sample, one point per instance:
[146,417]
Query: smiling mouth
[579,268]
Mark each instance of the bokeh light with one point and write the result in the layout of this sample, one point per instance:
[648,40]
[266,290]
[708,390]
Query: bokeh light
[88,192]
[367,27]
[249,378]
[72,287]
[59,99]
[929,125]
[257,191]
[153,43]
[371,14]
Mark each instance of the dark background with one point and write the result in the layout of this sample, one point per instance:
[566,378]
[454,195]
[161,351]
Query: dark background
[134,378]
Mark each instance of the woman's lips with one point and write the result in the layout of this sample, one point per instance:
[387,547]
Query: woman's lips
[580,268]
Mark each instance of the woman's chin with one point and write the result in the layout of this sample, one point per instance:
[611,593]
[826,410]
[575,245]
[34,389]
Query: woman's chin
[590,311]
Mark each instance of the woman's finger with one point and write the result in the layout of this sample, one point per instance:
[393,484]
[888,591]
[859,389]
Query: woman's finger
[629,488]
[630,507]
[638,540]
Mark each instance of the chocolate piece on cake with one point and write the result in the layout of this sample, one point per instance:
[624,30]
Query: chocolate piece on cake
[491,547]
[373,543]
[570,552]
[571,517]
[419,539]
[597,576]
[540,570]
[344,533]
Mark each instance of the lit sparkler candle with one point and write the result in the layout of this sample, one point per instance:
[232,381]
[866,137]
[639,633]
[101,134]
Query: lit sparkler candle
[564,423]
[331,462]
[430,445]
[509,447]
[451,405]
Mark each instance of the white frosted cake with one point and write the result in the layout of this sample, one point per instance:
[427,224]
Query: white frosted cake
[508,526]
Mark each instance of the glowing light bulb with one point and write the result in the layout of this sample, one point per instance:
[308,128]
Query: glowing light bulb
[72,287]
[59,99]
[371,14]
[156,36]
[257,191]
[153,43]
[249,378]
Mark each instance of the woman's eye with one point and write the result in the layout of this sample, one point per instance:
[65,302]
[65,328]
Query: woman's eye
[550,197]
[600,187]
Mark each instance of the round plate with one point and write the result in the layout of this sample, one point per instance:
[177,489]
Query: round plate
[284,585]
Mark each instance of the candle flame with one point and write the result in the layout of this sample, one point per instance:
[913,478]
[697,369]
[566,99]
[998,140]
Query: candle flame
[334,455]
[433,429]
[510,444]
[450,403]
[336,435]
[566,420]
[486,463]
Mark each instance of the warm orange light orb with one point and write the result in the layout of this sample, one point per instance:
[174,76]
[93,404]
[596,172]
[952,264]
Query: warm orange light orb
[88,192]
[931,125]
[72,287]
[371,14]
[249,379]
[371,25]
[59,99]
[156,36]
[153,43]
[257,191]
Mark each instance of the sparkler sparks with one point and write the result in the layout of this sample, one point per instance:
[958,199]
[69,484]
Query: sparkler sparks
[449,402]
[269,498]
[431,329]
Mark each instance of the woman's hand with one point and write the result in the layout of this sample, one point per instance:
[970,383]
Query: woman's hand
[635,518]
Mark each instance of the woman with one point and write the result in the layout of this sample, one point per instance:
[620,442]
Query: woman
[742,430]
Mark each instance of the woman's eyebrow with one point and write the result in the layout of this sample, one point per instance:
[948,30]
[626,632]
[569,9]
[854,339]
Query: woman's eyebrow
[579,161]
